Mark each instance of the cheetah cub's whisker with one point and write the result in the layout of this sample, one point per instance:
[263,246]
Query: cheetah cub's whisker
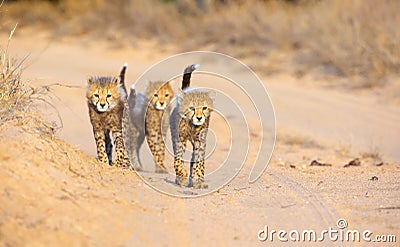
[106,99]
[189,122]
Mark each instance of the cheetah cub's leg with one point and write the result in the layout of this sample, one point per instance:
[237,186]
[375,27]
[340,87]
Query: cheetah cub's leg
[109,146]
[153,140]
[121,159]
[181,174]
[162,134]
[160,167]
[139,142]
[131,150]
[100,138]
[197,162]
[129,136]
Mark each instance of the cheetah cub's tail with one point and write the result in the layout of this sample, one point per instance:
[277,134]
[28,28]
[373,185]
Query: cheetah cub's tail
[122,76]
[132,93]
[187,73]
[133,90]
[132,97]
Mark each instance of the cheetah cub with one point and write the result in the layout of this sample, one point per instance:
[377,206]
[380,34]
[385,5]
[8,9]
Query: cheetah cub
[106,99]
[189,122]
[149,110]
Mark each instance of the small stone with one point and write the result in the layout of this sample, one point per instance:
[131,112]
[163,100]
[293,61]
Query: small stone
[374,178]
[355,162]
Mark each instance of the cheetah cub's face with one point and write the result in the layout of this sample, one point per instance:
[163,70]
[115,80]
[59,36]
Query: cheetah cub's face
[196,106]
[104,93]
[160,94]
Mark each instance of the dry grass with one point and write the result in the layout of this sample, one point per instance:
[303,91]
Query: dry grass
[298,140]
[18,100]
[15,96]
[356,40]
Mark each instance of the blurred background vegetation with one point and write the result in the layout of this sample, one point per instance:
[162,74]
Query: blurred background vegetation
[357,40]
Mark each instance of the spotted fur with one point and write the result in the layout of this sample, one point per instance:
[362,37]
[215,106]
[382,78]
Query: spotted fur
[106,99]
[148,117]
[189,123]
[130,131]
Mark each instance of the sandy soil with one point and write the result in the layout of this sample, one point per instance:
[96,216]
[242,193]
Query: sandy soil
[53,191]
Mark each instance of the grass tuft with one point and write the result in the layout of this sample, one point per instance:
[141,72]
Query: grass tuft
[15,96]
[17,99]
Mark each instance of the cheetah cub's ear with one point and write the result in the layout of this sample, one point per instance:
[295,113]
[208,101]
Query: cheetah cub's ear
[89,79]
[179,103]
[172,83]
[116,80]
[212,94]
[180,98]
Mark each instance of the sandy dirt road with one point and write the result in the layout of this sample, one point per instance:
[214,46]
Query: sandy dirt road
[108,206]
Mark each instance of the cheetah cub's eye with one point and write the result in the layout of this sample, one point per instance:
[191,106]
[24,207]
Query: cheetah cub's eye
[109,95]
[192,108]
[96,95]
[156,95]
[166,95]
[205,108]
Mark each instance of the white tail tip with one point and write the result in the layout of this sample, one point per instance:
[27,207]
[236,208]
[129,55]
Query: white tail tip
[126,64]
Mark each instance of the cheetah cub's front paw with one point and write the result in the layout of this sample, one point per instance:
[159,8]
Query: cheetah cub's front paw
[115,163]
[198,183]
[119,163]
[160,170]
[181,181]
[136,168]
[104,161]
